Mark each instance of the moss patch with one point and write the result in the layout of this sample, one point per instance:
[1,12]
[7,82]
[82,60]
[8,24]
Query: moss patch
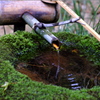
[21,46]
[86,45]
[21,87]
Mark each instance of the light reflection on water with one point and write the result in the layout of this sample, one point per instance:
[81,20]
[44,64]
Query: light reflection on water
[73,83]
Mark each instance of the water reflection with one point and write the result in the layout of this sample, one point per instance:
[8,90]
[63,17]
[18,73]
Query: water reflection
[71,81]
[73,84]
[71,70]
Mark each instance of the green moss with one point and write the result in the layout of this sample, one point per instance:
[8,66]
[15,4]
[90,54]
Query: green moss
[24,44]
[6,52]
[22,88]
[86,45]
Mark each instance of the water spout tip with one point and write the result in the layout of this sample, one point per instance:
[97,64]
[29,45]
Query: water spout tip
[56,44]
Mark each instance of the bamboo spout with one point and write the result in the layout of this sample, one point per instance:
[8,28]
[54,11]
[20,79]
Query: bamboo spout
[49,37]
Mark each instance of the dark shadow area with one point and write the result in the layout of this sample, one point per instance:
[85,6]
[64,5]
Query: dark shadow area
[75,71]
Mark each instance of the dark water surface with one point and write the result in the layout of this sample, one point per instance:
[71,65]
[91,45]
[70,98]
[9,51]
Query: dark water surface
[66,69]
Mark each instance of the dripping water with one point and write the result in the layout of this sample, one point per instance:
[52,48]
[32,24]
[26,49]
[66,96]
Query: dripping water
[70,78]
[58,65]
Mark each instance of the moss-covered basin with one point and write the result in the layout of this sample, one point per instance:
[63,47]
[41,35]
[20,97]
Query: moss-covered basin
[23,47]
[21,87]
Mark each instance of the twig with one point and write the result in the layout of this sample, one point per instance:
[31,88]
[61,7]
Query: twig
[43,26]
[73,14]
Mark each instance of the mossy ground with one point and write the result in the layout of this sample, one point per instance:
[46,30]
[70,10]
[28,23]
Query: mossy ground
[21,87]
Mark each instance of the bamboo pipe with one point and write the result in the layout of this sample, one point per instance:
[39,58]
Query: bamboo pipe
[84,24]
[50,38]
[11,11]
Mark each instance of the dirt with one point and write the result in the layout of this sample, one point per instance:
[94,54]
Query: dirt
[73,70]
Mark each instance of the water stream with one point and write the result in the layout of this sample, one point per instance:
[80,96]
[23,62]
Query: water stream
[58,66]
[58,59]
[69,78]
